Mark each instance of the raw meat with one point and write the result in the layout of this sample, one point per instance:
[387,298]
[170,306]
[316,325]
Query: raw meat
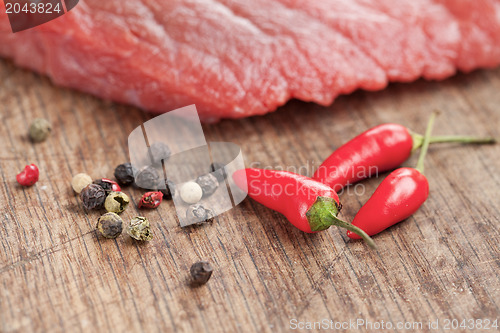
[240,58]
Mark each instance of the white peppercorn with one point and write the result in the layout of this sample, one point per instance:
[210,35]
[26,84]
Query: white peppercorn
[191,192]
[80,181]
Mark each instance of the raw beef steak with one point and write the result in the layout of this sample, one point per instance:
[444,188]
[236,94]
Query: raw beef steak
[240,58]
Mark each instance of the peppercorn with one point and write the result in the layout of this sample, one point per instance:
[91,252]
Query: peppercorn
[28,176]
[139,229]
[197,214]
[191,192]
[201,272]
[39,130]
[116,202]
[158,152]
[150,200]
[169,190]
[105,186]
[108,185]
[80,181]
[110,225]
[217,169]
[148,178]
[93,196]
[208,184]
[124,174]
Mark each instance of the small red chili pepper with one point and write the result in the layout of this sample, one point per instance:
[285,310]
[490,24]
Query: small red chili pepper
[379,149]
[114,185]
[150,200]
[309,205]
[397,197]
[28,176]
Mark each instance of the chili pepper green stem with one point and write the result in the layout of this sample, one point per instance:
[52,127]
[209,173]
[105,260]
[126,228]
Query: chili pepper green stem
[323,214]
[425,144]
[419,139]
[346,225]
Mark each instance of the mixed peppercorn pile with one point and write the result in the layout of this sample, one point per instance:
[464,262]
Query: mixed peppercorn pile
[106,194]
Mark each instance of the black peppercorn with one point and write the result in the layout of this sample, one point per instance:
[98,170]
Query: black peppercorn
[169,190]
[148,178]
[217,169]
[158,152]
[197,214]
[208,184]
[110,225]
[124,174]
[107,187]
[93,197]
[201,272]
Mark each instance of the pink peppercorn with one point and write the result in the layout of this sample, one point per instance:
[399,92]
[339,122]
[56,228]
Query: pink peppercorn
[150,200]
[28,176]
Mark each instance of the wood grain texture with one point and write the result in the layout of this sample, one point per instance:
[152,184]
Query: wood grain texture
[57,275]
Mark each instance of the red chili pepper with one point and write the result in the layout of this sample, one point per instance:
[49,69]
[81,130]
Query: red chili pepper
[28,176]
[114,185]
[379,149]
[309,205]
[397,197]
[150,200]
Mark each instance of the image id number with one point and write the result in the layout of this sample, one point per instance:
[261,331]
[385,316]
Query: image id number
[470,324]
[32,8]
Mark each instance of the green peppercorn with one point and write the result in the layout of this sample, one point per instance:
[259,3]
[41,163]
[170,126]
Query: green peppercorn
[93,196]
[139,229]
[201,272]
[110,225]
[148,178]
[116,202]
[124,174]
[39,130]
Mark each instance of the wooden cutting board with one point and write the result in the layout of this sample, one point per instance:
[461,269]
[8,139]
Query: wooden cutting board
[57,275]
